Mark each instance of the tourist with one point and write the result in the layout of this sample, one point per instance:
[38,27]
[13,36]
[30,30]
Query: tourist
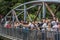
[25,31]
[57,34]
[49,33]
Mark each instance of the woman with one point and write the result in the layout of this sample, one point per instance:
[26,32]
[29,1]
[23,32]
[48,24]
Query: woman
[49,31]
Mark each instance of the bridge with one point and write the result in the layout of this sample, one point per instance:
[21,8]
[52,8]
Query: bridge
[12,33]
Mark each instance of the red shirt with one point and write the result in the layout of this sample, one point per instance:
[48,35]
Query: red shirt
[8,26]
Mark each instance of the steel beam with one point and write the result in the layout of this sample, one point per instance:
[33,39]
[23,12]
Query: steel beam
[57,9]
[49,9]
[44,10]
[19,9]
[25,13]
[20,13]
[29,17]
[13,17]
[39,16]
[29,7]
[7,15]
[51,1]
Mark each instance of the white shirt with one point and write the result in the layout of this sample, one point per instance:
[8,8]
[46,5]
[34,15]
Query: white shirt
[44,25]
[53,23]
[55,27]
[6,23]
[31,25]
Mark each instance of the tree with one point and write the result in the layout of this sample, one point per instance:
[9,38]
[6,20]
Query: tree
[7,5]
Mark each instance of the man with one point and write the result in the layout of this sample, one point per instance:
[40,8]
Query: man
[57,35]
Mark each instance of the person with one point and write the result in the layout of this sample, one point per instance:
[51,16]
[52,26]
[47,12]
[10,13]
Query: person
[44,26]
[36,26]
[6,23]
[54,22]
[49,31]
[55,27]
[2,21]
[31,25]
[7,27]
[57,20]
[33,28]
[17,25]
[57,34]
[25,31]
[40,25]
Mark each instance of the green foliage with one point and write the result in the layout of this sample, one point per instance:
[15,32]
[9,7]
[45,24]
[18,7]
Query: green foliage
[7,5]
[4,7]
[32,16]
[58,14]
[53,7]
[1,0]
[16,5]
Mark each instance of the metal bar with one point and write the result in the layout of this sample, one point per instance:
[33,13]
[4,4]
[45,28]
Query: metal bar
[20,13]
[25,13]
[31,7]
[39,16]
[29,17]
[49,9]
[37,13]
[44,11]
[15,16]
[19,9]
[18,6]
[7,14]
[57,9]
[27,8]
[55,1]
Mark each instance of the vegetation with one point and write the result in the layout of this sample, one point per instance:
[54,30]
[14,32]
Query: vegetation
[7,5]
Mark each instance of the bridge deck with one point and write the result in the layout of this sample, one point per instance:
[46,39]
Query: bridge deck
[9,37]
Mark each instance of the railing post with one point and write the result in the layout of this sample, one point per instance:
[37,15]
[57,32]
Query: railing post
[5,19]
[13,18]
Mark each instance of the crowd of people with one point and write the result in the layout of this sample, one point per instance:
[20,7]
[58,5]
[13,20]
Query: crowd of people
[43,25]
